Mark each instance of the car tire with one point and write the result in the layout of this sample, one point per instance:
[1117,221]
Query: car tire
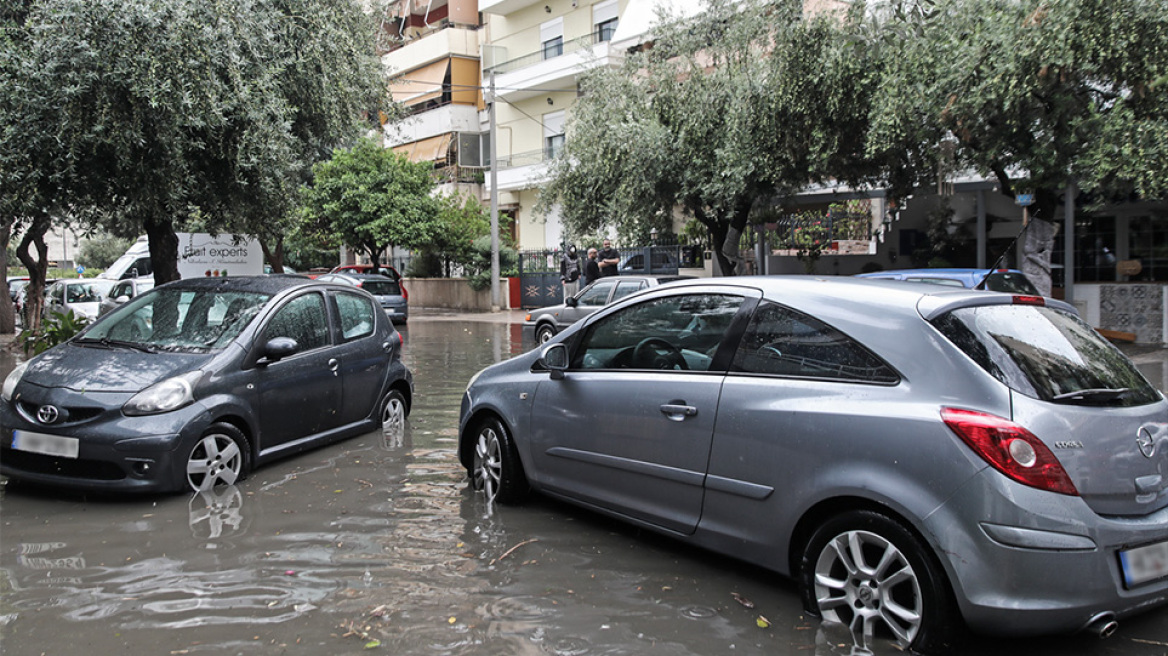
[868,572]
[544,332]
[393,412]
[221,456]
[495,467]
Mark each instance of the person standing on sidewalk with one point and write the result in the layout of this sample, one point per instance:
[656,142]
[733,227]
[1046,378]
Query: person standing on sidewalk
[591,268]
[570,271]
[609,260]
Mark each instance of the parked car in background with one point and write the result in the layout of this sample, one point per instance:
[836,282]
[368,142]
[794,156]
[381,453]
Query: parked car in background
[547,321]
[81,296]
[123,291]
[914,456]
[386,290]
[194,383]
[995,280]
[16,285]
[383,270]
[663,261]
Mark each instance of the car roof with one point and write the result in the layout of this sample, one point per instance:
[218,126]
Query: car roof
[360,276]
[270,284]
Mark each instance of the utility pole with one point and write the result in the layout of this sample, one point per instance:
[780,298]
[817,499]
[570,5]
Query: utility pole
[496,301]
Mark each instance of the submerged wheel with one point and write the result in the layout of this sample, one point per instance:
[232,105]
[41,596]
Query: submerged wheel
[220,457]
[866,571]
[544,333]
[393,412]
[496,470]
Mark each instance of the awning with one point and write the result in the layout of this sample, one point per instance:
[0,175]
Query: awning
[426,150]
[420,84]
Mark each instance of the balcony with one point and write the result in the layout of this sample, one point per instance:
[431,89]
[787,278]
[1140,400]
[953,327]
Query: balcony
[534,73]
[504,7]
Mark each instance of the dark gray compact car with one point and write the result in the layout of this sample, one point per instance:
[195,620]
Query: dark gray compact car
[386,290]
[195,382]
[913,455]
[547,321]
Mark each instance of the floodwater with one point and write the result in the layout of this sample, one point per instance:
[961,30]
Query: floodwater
[376,545]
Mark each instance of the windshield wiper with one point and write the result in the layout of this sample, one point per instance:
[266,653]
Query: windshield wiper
[1094,395]
[117,343]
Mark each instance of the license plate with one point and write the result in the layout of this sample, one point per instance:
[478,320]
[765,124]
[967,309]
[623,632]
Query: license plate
[1143,564]
[49,445]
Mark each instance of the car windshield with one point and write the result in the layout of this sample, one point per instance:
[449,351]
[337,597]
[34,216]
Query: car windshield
[1047,354]
[381,287]
[168,319]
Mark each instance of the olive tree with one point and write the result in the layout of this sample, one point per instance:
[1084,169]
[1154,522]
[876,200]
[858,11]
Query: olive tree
[153,110]
[1039,94]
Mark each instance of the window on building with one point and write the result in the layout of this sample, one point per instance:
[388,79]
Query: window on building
[551,35]
[604,17]
[553,134]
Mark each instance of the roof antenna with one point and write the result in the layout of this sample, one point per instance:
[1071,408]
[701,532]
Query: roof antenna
[1025,200]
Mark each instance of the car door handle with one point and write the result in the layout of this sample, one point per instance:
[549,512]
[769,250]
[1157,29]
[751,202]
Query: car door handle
[677,411]
[333,363]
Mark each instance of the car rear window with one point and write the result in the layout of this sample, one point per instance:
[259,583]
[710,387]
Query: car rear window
[1046,353]
[381,287]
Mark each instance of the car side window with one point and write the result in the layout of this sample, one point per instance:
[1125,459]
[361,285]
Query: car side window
[597,294]
[626,287]
[356,313]
[304,320]
[679,333]
[783,342]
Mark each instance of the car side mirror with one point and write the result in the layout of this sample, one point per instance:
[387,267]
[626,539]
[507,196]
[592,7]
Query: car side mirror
[122,299]
[571,301]
[555,360]
[277,349]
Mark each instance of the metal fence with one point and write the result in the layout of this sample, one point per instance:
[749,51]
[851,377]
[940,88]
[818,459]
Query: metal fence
[539,270]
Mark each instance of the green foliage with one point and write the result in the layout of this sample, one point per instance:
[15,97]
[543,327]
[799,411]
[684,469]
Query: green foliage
[748,101]
[479,268]
[461,220]
[54,330]
[101,251]
[135,114]
[370,198]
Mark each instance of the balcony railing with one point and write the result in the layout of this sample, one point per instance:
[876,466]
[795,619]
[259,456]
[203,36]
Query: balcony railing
[547,53]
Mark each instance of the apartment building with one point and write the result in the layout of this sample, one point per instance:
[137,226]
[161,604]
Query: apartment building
[431,51]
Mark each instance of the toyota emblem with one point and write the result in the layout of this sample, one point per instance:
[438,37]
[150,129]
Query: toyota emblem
[1146,443]
[48,414]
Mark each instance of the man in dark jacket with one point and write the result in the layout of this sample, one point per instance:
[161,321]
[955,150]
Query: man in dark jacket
[591,268]
[570,271]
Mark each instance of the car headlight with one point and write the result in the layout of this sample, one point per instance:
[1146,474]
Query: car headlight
[166,396]
[11,381]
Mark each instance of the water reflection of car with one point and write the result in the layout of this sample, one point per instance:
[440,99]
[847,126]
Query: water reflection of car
[386,290]
[547,321]
[914,456]
[196,382]
[995,280]
[81,296]
[123,291]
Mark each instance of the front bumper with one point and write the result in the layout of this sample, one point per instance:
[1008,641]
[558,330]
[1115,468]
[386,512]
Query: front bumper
[114,453]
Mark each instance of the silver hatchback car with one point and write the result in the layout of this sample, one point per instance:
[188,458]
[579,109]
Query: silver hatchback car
[916,457]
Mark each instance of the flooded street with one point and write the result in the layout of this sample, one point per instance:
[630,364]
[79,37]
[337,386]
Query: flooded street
[375,545]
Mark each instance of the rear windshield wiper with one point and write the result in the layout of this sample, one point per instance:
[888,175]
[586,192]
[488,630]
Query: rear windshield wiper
[1094,395]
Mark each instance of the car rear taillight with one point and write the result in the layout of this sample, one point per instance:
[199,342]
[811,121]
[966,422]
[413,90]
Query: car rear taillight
[1010,449]
[1029,300]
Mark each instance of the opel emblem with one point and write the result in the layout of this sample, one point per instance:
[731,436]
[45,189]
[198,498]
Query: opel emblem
[1146,443]
[48,414]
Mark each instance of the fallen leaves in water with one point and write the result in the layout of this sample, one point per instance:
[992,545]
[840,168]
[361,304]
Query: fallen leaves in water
[742,600]
[762,622]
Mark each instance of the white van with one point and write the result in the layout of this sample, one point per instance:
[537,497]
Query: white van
[199,255]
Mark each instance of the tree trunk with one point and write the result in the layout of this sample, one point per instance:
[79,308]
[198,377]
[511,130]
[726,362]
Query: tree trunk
[7,309]
[38,269]
[163,251]
[274,257]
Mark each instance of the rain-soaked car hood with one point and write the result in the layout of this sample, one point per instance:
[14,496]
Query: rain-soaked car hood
[97,368]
